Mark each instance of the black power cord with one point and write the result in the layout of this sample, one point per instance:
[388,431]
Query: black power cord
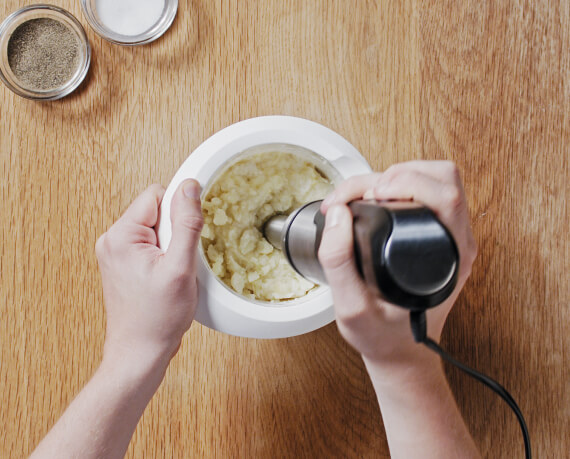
[419,327]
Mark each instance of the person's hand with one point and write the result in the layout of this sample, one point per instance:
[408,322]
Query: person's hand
[150,295]
[378,330]
[150,299]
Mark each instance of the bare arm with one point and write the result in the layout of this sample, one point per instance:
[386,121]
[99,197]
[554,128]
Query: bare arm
[420,415]
[101,420]
[150,301]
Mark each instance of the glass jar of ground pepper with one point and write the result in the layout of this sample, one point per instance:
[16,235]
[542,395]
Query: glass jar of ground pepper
[44,52]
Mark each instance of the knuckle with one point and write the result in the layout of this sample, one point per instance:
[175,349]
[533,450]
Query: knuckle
[156,186]
[402,179]
[352,315]
[346,185]
[375,178]
[156,189]
[100,246]
[346,189]
[451,171]
[406,176]
[449,167]
[344,314]
[397,170]
[393,171]
[452,197]
[192,222]
[114,240]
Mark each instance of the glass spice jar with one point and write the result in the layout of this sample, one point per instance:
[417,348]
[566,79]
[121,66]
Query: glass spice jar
[130,22]
[44,52]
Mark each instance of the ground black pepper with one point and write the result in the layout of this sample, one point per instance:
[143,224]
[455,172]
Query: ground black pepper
[43,54]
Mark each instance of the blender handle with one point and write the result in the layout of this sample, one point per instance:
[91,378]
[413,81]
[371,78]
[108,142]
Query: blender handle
[404,252]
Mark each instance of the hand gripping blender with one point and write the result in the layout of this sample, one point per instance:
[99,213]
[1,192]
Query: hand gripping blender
[402,251]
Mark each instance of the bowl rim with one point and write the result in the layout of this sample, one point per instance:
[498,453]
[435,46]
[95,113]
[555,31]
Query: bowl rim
[217,303]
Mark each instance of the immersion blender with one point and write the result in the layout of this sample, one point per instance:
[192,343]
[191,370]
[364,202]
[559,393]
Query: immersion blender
[402,251]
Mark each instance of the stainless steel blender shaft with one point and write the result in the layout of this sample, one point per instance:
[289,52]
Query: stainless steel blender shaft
[299,237]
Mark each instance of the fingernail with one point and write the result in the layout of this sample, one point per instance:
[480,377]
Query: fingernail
[192,190]
[368,195]
[334,216]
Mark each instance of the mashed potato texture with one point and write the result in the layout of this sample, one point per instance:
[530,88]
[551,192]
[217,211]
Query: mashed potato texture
[235,208]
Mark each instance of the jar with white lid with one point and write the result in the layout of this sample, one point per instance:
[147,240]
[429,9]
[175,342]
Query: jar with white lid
[130,22]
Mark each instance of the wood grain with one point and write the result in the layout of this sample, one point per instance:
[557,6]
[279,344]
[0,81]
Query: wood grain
[484,83]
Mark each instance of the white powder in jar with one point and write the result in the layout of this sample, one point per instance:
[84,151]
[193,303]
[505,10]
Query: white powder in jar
[235,208]
[129,17]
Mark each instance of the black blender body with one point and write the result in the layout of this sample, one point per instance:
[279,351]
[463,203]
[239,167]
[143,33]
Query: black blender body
[401,249]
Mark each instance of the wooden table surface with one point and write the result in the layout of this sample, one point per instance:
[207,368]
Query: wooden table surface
[484,83]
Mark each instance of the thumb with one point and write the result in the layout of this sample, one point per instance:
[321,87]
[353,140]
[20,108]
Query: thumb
[187,222]
[336,254]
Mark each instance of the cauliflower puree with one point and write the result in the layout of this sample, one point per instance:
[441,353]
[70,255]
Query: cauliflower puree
[235,209]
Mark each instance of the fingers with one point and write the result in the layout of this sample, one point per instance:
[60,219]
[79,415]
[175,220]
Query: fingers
[187,222]
[136,224]
[436,184]
[144,209]
[351,189]
[444,171]
[336,255]
[363,186]
[411,185]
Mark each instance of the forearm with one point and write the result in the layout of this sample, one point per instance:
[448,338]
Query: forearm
[420,415]
[102,418]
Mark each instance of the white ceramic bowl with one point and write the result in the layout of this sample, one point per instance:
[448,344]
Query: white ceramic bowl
[219,307]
